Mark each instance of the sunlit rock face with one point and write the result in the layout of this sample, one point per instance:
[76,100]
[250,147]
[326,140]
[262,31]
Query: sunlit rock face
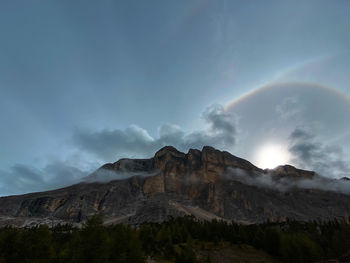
[203,183]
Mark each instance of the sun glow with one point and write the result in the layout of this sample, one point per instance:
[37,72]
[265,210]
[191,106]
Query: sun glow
[271,156]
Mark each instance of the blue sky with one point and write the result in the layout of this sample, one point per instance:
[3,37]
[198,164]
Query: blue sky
[76,74]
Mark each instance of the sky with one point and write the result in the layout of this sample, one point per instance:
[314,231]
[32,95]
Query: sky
[83,83]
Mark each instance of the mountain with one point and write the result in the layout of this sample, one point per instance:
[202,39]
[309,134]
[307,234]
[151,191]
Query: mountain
[208,184]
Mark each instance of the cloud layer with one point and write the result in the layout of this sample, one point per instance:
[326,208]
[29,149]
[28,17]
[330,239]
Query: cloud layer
[137,142]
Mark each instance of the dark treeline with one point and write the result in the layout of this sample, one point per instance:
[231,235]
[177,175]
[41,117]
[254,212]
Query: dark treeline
[176,239]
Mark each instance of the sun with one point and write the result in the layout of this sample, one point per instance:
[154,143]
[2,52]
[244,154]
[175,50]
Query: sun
[271,155]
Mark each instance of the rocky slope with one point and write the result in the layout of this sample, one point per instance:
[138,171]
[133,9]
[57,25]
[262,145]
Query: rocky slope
[200,183]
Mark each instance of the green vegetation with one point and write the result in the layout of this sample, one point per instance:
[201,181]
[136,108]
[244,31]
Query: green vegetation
[178,240]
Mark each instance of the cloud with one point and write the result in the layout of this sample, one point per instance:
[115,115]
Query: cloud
[266,180]
[309,153]
[289,108]
[135,141]
[22,178]
[327,184]
[106,175]
[258,179]
[109,145]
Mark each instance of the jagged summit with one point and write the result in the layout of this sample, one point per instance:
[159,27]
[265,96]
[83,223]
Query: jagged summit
[168,150]
[209,163]
[202,183]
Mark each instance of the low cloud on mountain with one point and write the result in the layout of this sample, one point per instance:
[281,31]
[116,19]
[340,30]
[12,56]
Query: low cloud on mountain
[22,178]
[266,180]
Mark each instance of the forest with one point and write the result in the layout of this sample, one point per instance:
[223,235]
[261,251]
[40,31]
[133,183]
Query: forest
[176,240]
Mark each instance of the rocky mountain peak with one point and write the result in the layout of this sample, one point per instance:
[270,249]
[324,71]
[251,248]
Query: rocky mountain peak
[168,150]
[291,172]
[212,155]
[174,183]
[168,156]
[207,165]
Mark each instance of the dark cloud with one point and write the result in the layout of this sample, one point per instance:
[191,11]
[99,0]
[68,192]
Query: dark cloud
[220,121]
[309,153]
[136,142]
[23,178]
[109,143]
[301,134]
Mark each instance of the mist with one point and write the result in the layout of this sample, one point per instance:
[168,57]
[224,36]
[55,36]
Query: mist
[266,180]
[106,175]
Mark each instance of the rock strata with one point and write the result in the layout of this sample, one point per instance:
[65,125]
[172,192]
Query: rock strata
[173,183]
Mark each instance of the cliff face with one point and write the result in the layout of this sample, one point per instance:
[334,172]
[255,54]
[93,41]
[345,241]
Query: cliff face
[173,183]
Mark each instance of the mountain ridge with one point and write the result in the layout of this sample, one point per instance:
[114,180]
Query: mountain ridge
[195,157]
[172,183]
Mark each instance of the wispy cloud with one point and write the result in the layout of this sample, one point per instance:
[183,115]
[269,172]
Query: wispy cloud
[22,178]
[267,180]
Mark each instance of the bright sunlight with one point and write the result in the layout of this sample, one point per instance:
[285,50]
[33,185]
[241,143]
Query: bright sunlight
[271,156]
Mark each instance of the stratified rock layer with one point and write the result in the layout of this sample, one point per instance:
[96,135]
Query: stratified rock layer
[173,183]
